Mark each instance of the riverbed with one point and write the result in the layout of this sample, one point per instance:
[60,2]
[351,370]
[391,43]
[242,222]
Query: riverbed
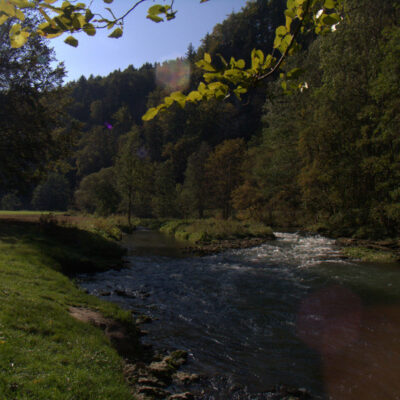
[291,311]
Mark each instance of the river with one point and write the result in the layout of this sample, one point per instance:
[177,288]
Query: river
[290,311]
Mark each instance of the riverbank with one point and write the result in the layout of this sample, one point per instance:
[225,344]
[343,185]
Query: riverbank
[210,236]
[382,251]
[57,341]
[46,353]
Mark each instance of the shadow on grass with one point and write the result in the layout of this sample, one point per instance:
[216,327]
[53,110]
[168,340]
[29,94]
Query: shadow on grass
[73,250]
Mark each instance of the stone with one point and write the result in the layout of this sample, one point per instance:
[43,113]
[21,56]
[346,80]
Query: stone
[186,378]
[143,319]
[177,358]
[161,369]
[150,381]
[181,396]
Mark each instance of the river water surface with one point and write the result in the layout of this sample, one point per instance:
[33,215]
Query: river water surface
[291,312]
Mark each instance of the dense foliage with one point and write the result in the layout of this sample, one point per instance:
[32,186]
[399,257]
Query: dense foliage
[30,111]
[325,156]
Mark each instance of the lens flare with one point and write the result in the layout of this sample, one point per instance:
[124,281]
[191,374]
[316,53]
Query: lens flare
[173,75]
[329,320]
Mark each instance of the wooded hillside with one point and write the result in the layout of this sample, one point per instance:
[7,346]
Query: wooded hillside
[325,156]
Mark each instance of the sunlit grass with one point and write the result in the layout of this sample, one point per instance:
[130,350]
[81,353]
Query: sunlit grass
[29,212]
[45,353]
[206,230]
[370,255]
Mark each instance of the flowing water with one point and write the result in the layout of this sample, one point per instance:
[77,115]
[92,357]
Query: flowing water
[291,312]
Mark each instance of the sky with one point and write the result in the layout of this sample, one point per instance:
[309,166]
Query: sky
[143,40]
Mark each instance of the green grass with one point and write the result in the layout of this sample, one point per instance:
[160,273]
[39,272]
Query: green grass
[45,353]
[208,230]
[370,255]
[28,212]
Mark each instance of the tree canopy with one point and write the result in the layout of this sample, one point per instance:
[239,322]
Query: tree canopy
[231,77]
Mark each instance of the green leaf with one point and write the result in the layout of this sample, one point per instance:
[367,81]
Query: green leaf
[20,15]
[89,29]
[241,64]
[239,91]
[71,41]
[179,98]
[288,22]
[150,114]
[268,61]
[290,14]
[330,19]
[207,58]
[205,66]
[156,9]
[155,18]
[169,101]
[154,12]
[88,15]
[330,4]
[7,8]
[202,88]
[18,37]
[15,29]
[116,33]
[277,41]
[3,18]
[281,31]
[194,96]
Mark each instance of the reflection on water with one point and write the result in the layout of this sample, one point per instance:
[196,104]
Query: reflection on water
[290,311]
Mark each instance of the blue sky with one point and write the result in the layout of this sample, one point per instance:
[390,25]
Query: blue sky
[143,40]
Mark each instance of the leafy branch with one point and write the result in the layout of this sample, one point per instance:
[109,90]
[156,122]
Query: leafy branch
[234,78]
[71,17]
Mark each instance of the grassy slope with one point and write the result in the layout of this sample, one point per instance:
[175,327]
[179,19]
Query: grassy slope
[370,255]
[208,230]
[45,353]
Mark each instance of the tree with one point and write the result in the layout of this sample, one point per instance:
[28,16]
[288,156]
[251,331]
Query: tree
[232,78]
[223,79]
[342,160]
[224,167]
[53,194]
[385,139]
[11,201]
[195,187]
[134,176]
[164,202]
[96,150]
[31,109]
[97,193]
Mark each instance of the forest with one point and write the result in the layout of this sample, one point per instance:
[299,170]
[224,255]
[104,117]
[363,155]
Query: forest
[233,210]
[324,158]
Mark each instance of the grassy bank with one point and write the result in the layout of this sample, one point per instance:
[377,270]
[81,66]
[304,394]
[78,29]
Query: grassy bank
[109,227]
[381,251]
[370,255]
[45,353]
[208,230]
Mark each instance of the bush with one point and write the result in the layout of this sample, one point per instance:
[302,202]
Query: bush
[11,202]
